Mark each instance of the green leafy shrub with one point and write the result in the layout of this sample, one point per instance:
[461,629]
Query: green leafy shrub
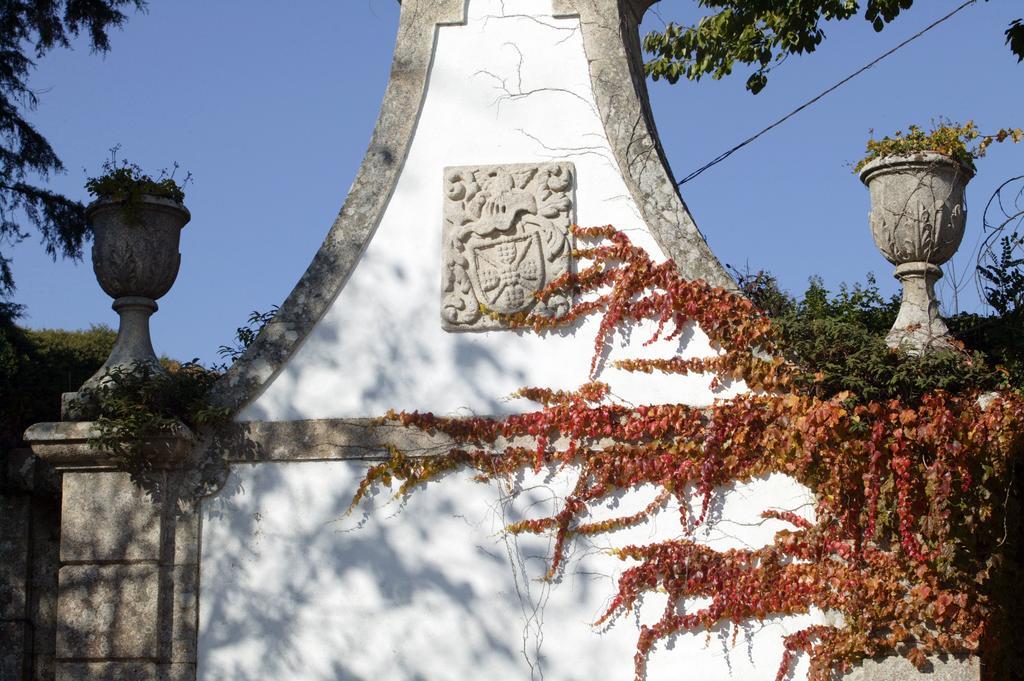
[36,366]
[837,340]
[137,402]
[126,182]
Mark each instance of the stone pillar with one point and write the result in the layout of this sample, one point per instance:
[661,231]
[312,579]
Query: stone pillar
[29,529]
[127,605]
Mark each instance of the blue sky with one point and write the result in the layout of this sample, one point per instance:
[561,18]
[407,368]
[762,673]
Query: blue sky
[271,108]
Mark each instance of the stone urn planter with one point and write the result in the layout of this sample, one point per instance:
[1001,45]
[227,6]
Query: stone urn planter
[135,257]
[917,221]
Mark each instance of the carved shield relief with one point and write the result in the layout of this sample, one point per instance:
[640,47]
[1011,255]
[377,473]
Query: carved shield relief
[506,237]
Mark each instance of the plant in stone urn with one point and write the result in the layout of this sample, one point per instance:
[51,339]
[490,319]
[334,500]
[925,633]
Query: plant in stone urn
[137,222]
[918,212]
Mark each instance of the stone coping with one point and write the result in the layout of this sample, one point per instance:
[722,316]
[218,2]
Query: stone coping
[65,446]
[940,668]
[324,440]
[341,439]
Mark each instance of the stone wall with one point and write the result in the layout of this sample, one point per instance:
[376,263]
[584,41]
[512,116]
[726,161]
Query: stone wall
[128,580]
[29,535]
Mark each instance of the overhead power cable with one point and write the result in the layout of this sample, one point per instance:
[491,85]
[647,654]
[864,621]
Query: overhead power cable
[844,81]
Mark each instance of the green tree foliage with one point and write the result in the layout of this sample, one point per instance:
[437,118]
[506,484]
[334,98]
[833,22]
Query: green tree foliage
[761,33]
[1015,38]
[999,335]
[29,29]
[37,366]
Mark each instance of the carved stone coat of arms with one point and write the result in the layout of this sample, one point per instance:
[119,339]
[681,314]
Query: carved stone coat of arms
[506,237]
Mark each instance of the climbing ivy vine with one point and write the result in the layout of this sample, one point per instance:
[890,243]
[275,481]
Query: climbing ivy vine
[912,490]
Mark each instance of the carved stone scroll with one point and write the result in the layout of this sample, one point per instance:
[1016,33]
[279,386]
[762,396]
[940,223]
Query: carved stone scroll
[506,237]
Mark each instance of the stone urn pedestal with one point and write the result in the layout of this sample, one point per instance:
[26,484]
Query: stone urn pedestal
[917,221]
[135,257]
[126,597]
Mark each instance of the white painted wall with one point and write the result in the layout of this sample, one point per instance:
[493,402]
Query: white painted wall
[503,89]
[294,589]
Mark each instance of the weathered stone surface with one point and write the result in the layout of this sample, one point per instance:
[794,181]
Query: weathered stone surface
[65,446]
[339,439]
[28,558]
[917,220]
[918,325]
[136,253]
[13,515]
[42,606]
[327,439]
[611,39]
[106,671]
[136,260]
[14,552]
[900,669]
[108,611]
[62,444]
[186,532]
[918,211]
[177,672]
[130,590]
[107,517]
[23,471]
[505,237]
[14,651]
[185,613]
